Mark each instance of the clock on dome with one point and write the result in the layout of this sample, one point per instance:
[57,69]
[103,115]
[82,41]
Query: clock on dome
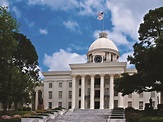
[97,59]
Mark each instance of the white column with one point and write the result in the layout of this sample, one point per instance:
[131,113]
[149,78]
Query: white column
[120,100]
[111,102]
[82,91]
[73,91]
[109,56]
[36,100]
[102,91]
[92,92]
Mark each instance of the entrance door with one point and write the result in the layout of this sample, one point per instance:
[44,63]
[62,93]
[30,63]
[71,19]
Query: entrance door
[97,93]
[97,104]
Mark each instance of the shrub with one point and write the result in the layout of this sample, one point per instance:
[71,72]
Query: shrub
[133,117]
[28,109]
[24,108]
[19,109]
[151,119]
[11,120]
[6,117]
[26,115]
[16,116]
[129,109]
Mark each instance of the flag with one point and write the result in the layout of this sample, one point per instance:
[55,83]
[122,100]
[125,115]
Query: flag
[100,16]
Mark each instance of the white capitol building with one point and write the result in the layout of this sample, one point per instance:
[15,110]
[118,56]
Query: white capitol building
[91,85]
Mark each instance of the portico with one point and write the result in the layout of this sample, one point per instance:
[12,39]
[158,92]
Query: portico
[101,85]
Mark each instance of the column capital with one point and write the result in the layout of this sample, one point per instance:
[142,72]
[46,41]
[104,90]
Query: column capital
[74,75]
[83,75]
[111,74]
[102,75]
[92,75]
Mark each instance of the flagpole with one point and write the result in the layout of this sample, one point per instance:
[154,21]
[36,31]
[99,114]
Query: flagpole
[103,24]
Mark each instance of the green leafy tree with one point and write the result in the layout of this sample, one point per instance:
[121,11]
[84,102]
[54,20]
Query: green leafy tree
[19,72]
[147,57]
[25,59]
[8,44]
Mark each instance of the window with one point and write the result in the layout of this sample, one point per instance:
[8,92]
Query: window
[153,94]
[79,81]
[79,104]
[89,81]
[129,103]
[106,91]
[50,85]
[59,104]
[50,94]
[141,95]
[79,92]
[60,94]
[70,94]
[106,103]
[111,57]
[88,104]
[115,93]
[50,105]
[140,104]
[60,85]
[70,84]
[97,81]
[69,105]
[115,103]
[130,96]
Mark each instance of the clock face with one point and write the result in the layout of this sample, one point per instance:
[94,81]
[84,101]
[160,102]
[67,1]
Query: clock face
[98,59]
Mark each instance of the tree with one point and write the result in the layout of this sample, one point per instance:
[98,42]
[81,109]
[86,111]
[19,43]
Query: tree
[19,72]
[147,57]
[25,59]
[8,44]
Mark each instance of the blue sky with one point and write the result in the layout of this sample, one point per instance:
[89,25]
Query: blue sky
[63,30]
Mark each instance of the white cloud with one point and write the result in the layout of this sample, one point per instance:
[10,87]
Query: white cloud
[16,11]
[61,60]
[91,7]
[72,25]
[123,58]
[55,4]
[115,36]
[84,7]
[4,3]
[43,31]
[127,17]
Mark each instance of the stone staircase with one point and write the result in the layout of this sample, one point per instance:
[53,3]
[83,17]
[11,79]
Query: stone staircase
[84,115]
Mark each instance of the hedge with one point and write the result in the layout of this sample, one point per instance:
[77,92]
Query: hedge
[151,119]
[10,120]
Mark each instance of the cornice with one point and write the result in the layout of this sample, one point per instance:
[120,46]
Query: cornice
[98,65]
[56,73]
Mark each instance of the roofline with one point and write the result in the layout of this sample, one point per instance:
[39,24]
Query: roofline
[53,73]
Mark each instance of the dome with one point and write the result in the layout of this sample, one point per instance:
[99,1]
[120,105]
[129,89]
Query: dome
[103,43]
[102,50]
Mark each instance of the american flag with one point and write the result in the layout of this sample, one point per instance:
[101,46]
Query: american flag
[100,16]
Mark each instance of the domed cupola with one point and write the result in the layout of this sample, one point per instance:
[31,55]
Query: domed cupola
[102,50]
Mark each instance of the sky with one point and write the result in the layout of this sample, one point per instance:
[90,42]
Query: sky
[63,30]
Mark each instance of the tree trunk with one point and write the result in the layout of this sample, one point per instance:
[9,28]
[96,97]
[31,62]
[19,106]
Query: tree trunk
[5,107]
[16,106]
